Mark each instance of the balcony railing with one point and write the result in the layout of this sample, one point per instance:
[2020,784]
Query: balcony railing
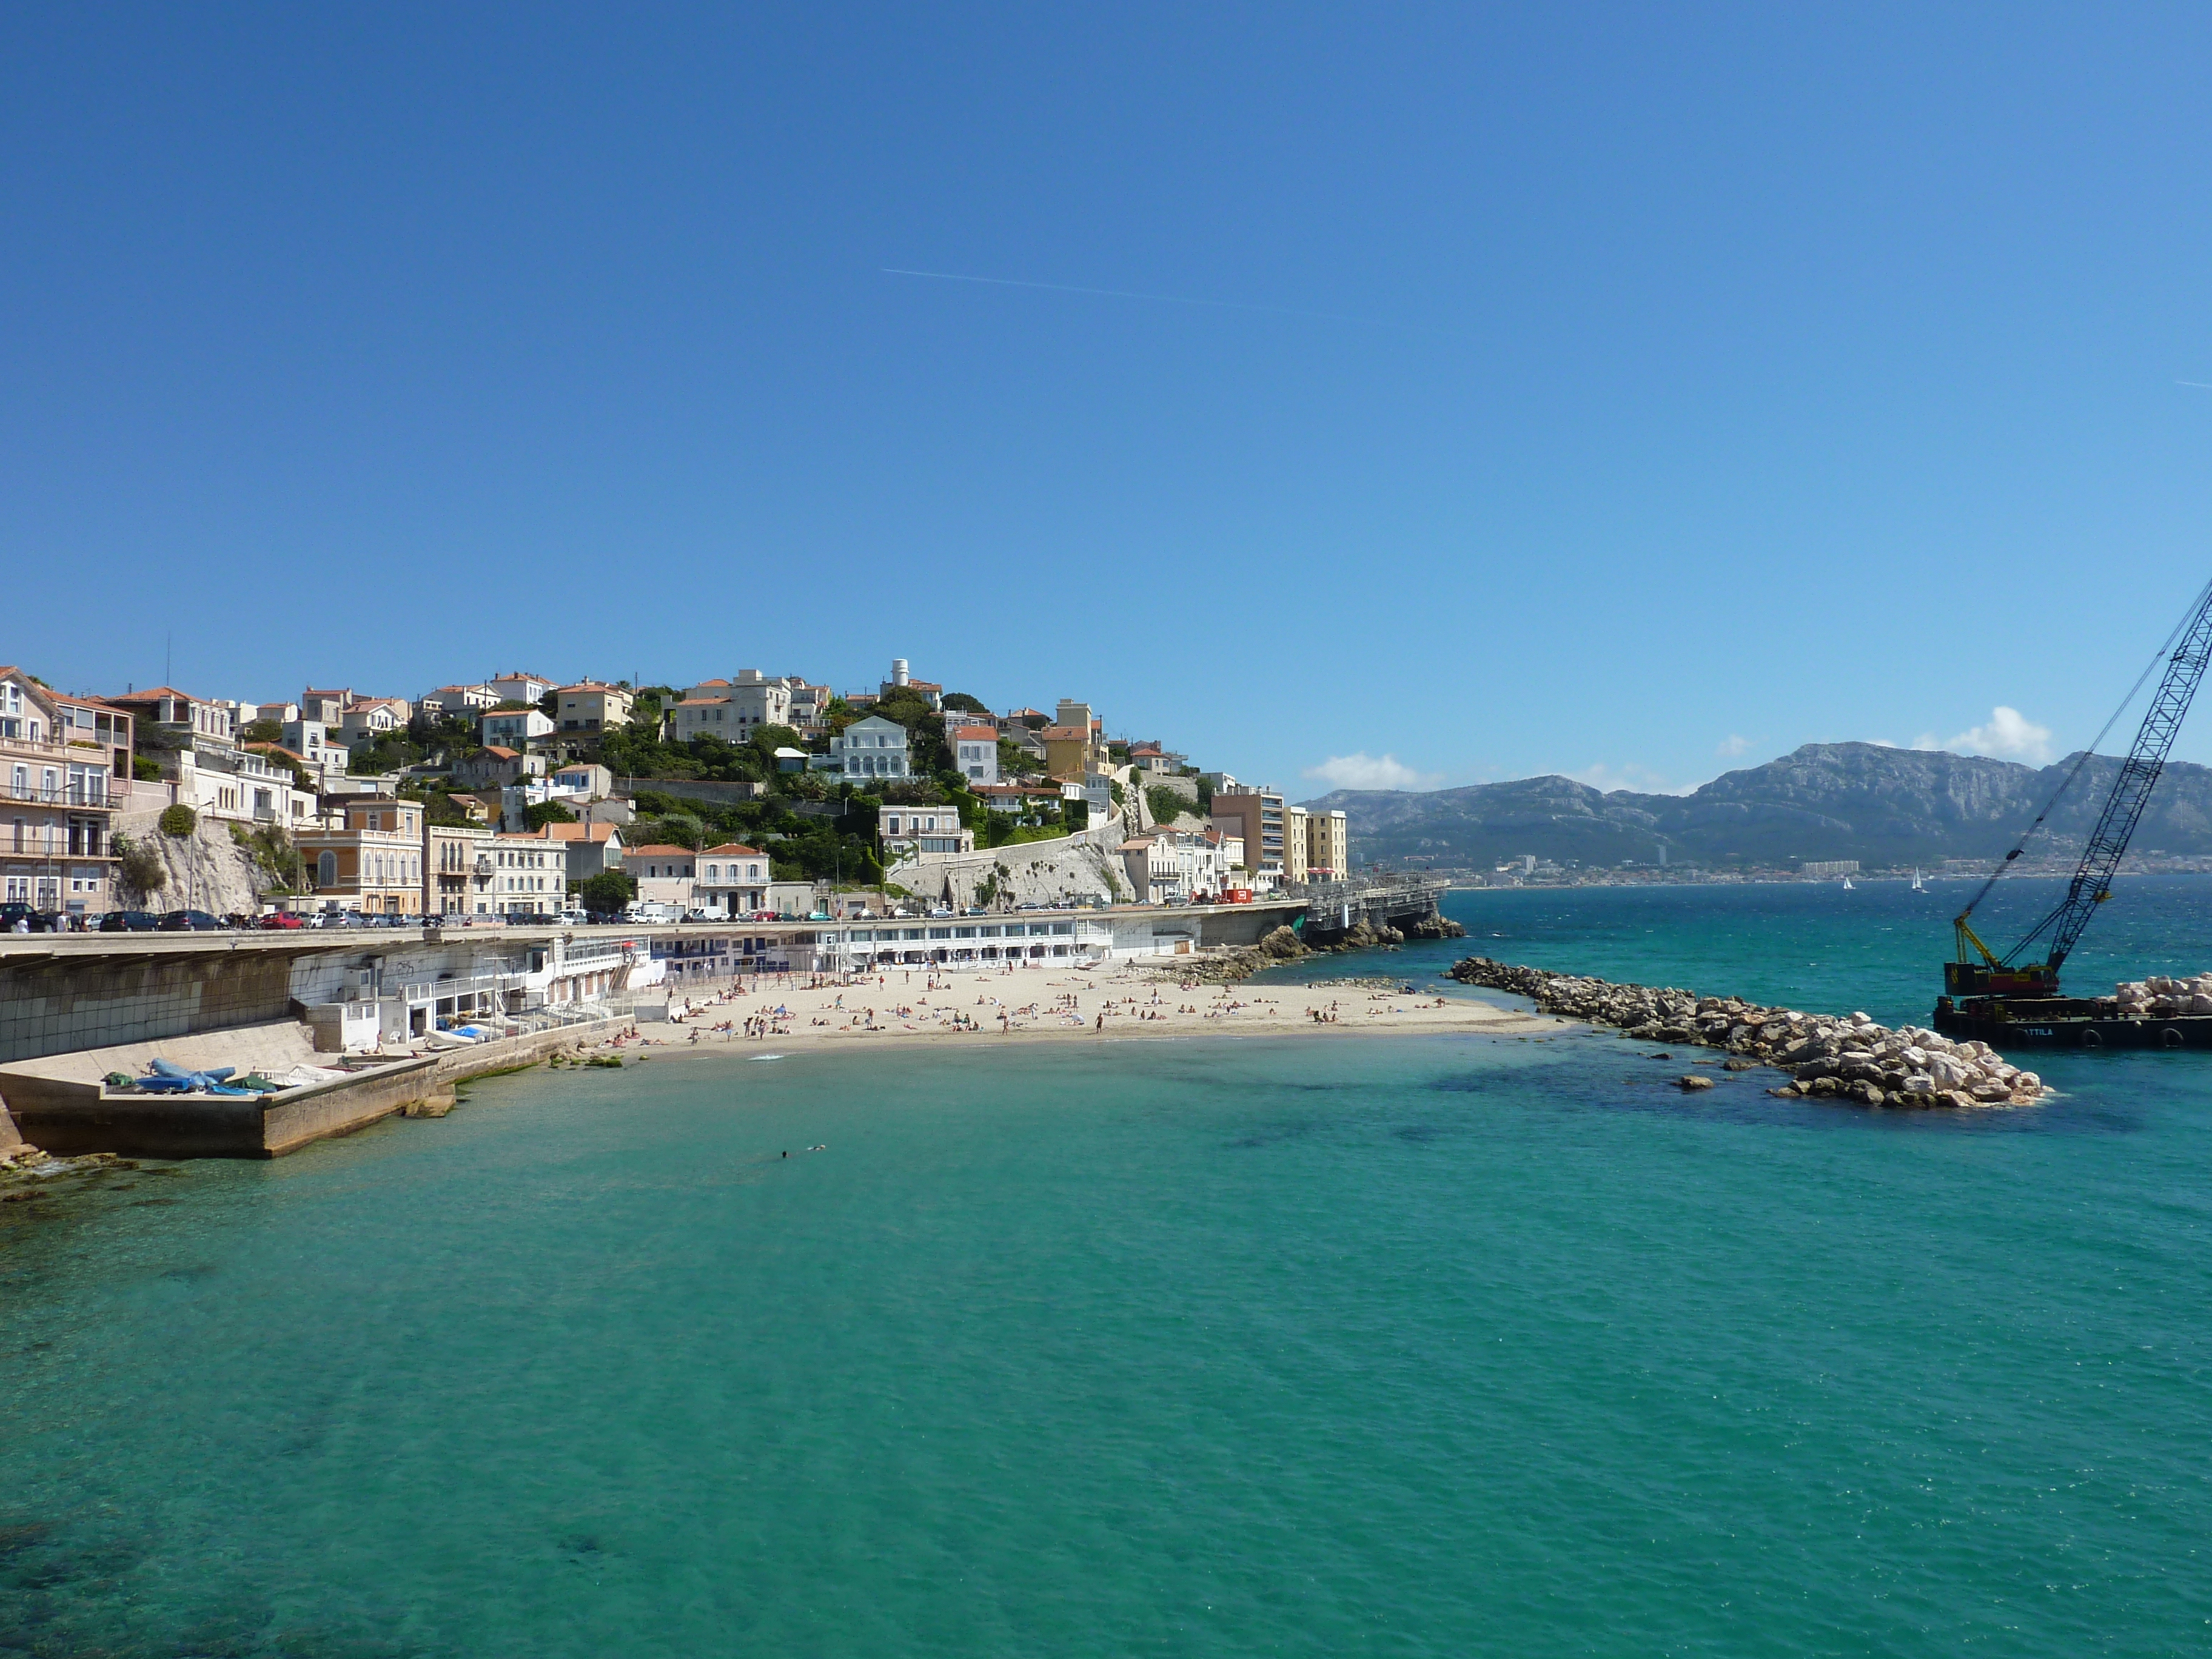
[61,794]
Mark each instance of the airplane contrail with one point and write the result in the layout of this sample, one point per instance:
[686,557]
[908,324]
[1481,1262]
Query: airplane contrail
[2202,386]
[1157,299]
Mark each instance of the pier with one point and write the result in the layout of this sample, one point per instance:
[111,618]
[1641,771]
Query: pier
[1333,908]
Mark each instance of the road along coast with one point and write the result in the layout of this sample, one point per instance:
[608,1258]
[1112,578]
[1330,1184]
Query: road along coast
[1828,1057]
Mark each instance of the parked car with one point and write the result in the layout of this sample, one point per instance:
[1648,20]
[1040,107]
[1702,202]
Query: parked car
[282,921]
[15,911]
[191,921]
[127,921]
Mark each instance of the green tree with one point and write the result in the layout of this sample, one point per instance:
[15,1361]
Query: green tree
[177,822]
[536,817]
[262,732]
[1165,804]
[607,891]
[144,769]
[966,704]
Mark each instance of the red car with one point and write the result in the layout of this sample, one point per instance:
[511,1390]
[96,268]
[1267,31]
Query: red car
[282,921]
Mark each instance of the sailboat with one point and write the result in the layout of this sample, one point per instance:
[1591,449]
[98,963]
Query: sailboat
[1916,887]
[1848,888]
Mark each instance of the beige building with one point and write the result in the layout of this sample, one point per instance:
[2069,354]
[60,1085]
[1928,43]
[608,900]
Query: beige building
[373,862]
[65,773]
[589,706]
[733,879]
[1328,847]
[457,870]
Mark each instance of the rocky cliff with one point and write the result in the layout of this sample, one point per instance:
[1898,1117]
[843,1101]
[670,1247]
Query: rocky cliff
[1835,800]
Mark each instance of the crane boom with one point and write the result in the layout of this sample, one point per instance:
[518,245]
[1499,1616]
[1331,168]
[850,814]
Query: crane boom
[2123,808]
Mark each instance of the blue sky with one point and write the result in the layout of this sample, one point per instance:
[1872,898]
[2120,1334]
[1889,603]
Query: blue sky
[1577,390]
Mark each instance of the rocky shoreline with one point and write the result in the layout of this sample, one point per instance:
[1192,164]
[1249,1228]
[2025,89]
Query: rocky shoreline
[1284,945]
[1829,1058]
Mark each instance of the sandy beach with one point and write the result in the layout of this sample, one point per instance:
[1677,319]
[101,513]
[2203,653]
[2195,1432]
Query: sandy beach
[1120,999]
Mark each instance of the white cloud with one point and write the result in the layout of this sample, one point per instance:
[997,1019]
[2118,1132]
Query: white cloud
[1364,771]
[2009,735]
[1733,747]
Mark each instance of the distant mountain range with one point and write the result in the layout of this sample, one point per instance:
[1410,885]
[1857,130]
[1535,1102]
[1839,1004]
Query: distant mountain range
[1826,800]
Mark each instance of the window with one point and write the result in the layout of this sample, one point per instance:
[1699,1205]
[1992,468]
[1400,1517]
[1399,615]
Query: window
[326,870]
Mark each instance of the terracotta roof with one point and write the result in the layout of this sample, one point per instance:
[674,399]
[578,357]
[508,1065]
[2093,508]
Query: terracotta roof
[1066,734]
[278,748]
[714,682]
[158,691]
[498,753]
[583,832]
[659,850]
[975,734]
[594,685]
[733,849]
[701,703]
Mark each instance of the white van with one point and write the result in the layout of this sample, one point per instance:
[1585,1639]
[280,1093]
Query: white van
[653,910]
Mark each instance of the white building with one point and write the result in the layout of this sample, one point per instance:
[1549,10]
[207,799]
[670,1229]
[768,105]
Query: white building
[665,874]
[529,876]
[518,687]
[368,718]
[873,748]
[1176,866]
[732,878]
[732,709]
[906,829]
[976,753]
[466,701]
[515,728]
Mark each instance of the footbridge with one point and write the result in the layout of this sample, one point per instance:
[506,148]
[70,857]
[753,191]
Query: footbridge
[1335,907]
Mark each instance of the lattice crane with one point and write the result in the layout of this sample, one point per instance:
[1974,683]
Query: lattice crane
[2185,655]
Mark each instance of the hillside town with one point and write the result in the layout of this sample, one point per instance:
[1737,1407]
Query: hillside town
[521,797]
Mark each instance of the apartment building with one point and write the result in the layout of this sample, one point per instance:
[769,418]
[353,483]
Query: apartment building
[514,728]
[529,876]
[1294,845]
[590,706]
[457,870]
[65,764]
[1255,816]
[1328,847]
[168,719]
[665,874]
[1177,867]
[904,829]
[371,860]
[976,753]
[732,878]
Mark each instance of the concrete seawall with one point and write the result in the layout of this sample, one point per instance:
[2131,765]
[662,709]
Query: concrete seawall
[72,1117]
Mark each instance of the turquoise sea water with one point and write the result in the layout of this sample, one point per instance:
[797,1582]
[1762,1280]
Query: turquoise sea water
[1338,1345]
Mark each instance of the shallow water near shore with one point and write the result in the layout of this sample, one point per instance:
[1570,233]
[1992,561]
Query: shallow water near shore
[1434,1345]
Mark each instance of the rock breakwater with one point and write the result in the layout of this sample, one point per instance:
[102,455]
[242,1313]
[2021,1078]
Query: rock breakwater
[1828,1057]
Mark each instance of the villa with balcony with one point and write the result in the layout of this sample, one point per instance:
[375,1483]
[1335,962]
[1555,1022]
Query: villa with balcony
[65,773]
